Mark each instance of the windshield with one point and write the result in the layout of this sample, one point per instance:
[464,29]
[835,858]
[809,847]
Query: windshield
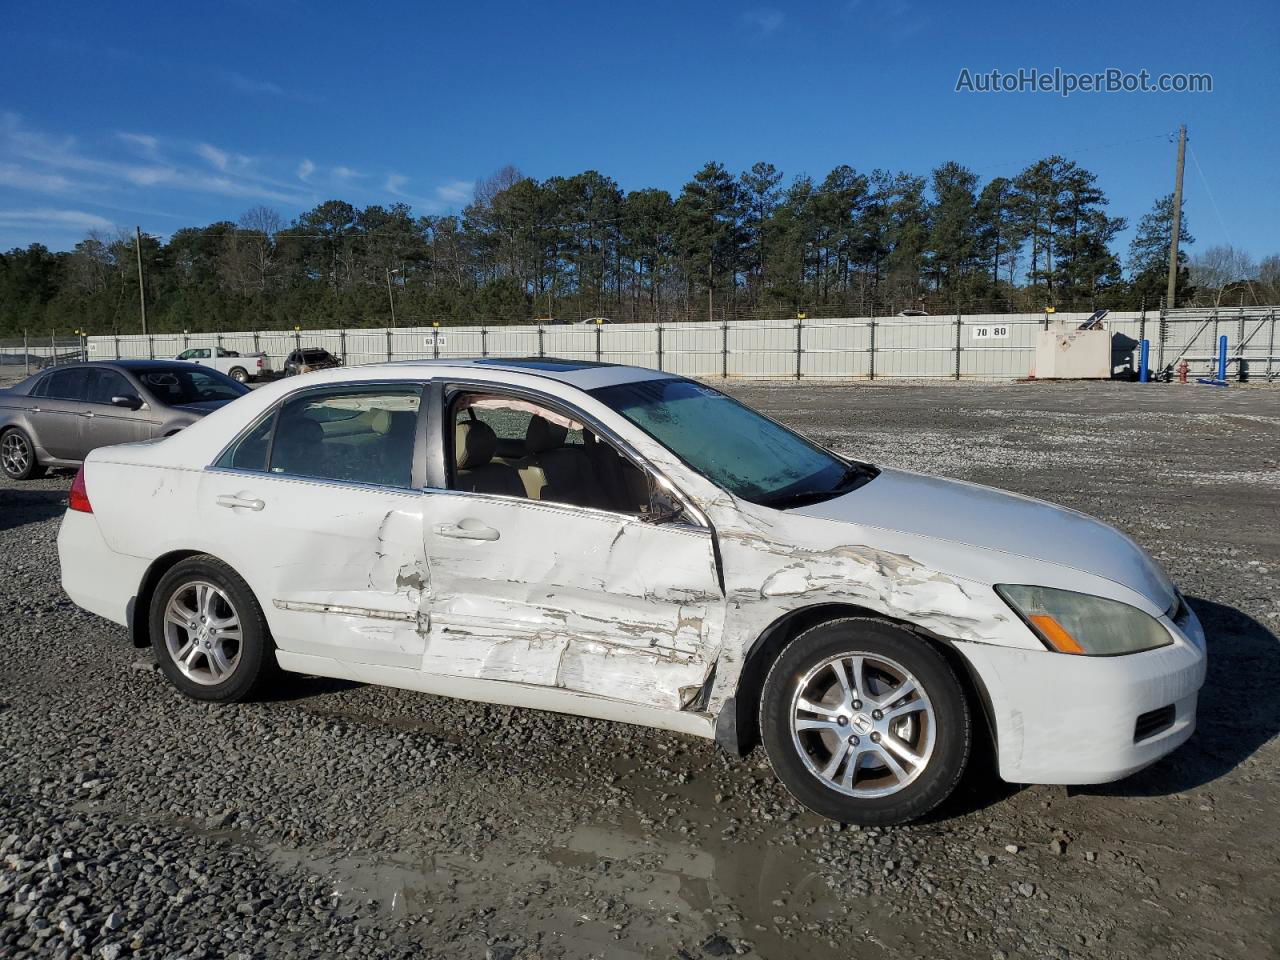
[731,445]
[178,385]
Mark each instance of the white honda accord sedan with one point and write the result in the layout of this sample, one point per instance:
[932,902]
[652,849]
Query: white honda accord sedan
[631,545]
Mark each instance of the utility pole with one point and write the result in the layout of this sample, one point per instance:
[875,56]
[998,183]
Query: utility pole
[142,290]
[390,298]
[1177,218]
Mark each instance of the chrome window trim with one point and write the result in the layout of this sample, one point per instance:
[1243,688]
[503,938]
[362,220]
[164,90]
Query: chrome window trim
[599,429]
[316,481]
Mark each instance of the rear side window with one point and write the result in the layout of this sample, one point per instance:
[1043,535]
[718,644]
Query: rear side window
[251,450]
[67,384]
[354,435]
[363,435]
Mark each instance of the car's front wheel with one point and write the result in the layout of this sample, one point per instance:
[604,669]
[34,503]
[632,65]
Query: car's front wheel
[18,456]
[208,632]
[864,722]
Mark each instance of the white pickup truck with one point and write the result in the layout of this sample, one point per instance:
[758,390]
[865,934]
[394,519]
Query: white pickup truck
[241,367]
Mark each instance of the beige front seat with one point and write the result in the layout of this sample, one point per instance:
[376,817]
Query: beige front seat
[473,445]
[554,472]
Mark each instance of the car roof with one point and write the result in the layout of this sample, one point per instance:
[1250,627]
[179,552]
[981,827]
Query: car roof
[583,374]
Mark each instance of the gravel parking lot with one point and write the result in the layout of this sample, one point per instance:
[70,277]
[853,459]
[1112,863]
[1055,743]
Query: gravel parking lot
[346,820]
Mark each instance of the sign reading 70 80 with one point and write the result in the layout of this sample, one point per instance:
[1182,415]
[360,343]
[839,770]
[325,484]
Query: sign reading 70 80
[998,331]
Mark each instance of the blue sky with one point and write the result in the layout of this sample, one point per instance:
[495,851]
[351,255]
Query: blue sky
[163,115]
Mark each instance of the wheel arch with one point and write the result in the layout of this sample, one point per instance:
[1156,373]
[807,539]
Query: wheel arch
[738,723]
[140,605]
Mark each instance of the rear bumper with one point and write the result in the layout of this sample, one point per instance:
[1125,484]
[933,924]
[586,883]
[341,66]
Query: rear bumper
[1074,720]
[94,576]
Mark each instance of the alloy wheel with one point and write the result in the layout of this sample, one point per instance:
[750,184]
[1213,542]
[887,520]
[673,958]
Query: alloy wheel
[15,454]
[202,632]
[863,725]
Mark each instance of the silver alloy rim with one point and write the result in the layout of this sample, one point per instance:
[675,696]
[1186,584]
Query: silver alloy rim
[202,633]
[863,725]
[15,453]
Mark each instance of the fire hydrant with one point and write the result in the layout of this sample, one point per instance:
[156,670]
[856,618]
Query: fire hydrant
[1183,369]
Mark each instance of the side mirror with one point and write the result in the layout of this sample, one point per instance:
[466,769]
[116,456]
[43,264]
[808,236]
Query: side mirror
[130,401]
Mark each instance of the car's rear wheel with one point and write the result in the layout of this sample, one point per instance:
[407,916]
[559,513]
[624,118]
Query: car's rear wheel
[18,456]
[239,374]
[864,722]
[208,632]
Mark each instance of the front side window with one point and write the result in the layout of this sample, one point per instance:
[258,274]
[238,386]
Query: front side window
[105,384]
[355,435]
[731,445]
[507,445]
[176,385]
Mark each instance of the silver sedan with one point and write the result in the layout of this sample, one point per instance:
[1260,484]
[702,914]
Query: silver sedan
[56,417]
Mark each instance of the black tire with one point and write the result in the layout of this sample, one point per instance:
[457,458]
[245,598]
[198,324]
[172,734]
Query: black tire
[239,374]
[15,443]
[255,666]
[791,753]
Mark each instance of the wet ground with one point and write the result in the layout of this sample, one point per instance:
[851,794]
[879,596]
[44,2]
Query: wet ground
[338,819]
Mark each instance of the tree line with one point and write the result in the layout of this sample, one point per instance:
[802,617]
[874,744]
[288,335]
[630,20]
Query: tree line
[725,247]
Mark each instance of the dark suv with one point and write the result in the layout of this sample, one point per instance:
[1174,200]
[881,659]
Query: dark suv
[308,359]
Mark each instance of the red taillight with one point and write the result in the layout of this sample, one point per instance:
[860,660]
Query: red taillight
[78,499]
[259,363]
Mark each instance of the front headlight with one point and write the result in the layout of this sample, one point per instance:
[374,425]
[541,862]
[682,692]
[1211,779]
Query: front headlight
[1078,623]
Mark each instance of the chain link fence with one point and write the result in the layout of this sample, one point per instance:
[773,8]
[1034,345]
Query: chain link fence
[959,347]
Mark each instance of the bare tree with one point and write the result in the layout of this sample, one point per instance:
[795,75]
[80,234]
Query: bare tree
[1214,271]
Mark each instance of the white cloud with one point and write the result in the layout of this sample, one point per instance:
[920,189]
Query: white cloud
[20,178]
[396,183]
[305,169]
[456,192]
[216,158]
[142,143]
[49,217]
[239,82]
[346,173]
[764,19]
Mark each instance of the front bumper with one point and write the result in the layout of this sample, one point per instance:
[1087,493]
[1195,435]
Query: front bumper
[1072,720]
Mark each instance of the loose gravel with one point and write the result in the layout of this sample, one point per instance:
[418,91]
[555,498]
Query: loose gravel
[335,819]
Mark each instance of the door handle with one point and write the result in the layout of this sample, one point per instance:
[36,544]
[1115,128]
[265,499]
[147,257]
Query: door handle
[86,413]
[35,409]
[233,501]
[467,530]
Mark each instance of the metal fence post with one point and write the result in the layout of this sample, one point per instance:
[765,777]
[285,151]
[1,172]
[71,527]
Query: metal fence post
[435,341]
[1142,321]
[388,346]
[599,327]
[959,327]
[151,346]
[53,351]
[186,340]
[1271,344]
[541,349]
[724,350]
[1163,334]
[871,354]
[218,339]
[342,343]
[116,337]
[484,341]
[297,339]
[659,346]
[799,346]
[257,345]
[26,352]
